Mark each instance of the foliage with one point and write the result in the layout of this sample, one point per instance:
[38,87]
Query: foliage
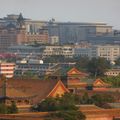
[30,74]
[66,102]
[66,115]
[65,107]
[8,109]
[81,62]
[13,108]
[54,59]
[97,66]
[98,99]
[101,99]
[113,80]
[117,61]
[49,104]
[85,99]
[3,109]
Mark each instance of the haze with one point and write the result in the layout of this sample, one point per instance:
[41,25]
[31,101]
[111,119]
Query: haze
[65,10]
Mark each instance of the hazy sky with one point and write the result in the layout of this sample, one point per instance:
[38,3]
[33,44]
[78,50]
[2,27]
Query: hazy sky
[65,10]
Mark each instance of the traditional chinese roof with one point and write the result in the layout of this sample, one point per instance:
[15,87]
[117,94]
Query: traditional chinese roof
[75,71]
[100,83]
[39,89]
[58,89]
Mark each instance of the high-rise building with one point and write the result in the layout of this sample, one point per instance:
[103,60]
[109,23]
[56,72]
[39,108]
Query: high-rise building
[73,32]
[62,32]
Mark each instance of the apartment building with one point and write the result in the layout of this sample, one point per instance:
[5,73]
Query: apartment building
[82,52]
[24,51]
[112,72]
[7,69]
[37,67]
[65,50]
[110,52]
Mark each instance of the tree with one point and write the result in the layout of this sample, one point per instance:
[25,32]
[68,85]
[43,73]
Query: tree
[63,107]
[97,66]
[68,115]
[4,109]
[86,99]
[13,108]
[117,61]
[54,59]
[113,80]
[82,62]
[102,99]
[49,104]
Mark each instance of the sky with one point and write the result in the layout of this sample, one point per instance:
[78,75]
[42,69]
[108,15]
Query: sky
[103,11]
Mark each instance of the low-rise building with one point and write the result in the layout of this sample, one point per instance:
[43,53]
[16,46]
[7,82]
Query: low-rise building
[110,52]
[78,80]
[7,69]
[65,50]
[112,72]
[44,51]
[36,67]
[24,51]
[82,52]
[28,92]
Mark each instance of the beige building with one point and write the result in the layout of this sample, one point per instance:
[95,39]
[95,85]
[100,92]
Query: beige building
[110,52]
[113,72]
[54,40]
[65,50]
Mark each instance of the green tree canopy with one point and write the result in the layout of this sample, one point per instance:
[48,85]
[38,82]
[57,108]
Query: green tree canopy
[81,62]
[97,66]
[117,61]
[64,106]
[8,109]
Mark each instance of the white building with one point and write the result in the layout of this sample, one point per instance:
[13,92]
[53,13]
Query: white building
[110,52]
[113,72]
[65,50]
[7,69]
[54,40]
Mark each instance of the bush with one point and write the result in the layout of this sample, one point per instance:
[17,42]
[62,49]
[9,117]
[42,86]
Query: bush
[8,109]
[65,107]
[13,108]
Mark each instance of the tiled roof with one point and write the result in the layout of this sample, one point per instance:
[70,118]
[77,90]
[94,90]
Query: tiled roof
[75,71]
[98,82]
[26,88]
